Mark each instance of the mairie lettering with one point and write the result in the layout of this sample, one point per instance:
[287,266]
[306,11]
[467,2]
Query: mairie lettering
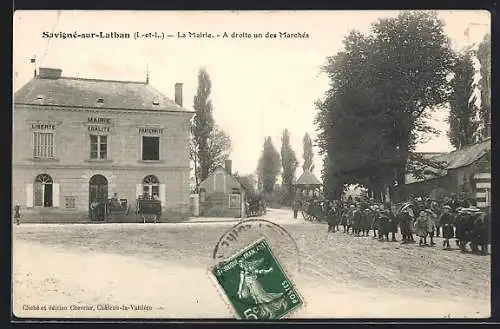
[106,121]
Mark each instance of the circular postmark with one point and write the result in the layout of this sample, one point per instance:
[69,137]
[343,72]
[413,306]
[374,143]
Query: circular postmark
[254,263]
[247,231]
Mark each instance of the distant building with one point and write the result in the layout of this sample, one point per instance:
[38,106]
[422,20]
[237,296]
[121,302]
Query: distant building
[76,141]
[307,185]
[221,195]
[465,170]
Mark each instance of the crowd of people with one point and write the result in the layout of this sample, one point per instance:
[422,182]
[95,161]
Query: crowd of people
[454,217]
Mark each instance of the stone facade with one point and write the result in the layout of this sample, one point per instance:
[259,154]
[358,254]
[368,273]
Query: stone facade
[71,166]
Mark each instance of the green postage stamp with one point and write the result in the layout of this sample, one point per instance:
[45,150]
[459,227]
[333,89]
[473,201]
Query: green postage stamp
[256,285]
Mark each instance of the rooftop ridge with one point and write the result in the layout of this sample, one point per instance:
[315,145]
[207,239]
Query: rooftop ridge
[102,80]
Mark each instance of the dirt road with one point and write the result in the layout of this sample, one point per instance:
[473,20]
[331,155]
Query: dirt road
[162,269]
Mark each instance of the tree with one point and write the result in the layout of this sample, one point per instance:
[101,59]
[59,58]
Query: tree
[248,183]
[269,166]
[210,145]
[414,60]
[383,87]
[307,148]
[462,120]
[202,125]
[289,164]
[484,57]
[219,148]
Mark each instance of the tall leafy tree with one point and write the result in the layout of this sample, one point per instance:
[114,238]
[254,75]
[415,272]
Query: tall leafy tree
[203,124]
[484,57]
[308,154]
[383,87]
[269,166]
[289,164]
[462,120]
[210,146]
[414,60]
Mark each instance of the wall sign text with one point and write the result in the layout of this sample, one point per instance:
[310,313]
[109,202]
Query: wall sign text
[105,121]
[43,126]
[152,131]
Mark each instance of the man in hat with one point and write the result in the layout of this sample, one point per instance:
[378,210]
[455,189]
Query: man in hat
[446,222]
[384,222]
[330,216]
[295,208]
[358,219]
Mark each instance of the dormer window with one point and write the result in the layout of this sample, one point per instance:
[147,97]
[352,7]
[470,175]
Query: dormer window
[39,97]
[100,100]
[156,101]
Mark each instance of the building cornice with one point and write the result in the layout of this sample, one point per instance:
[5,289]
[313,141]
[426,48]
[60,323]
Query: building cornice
[102,109]
[97,166]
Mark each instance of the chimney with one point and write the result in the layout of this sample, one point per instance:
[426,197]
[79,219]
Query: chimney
[227,166]
[178,93]
[49,73]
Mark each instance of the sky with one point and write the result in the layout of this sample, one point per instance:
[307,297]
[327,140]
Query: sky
[259,86]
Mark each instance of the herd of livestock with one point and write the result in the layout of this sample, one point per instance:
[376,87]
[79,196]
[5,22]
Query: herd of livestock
[416,218]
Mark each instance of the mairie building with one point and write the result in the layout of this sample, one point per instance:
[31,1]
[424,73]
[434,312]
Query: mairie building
[76,140]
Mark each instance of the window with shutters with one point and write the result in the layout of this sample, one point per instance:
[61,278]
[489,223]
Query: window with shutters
[43,145]
[151,186]
[42,191]
[98,147]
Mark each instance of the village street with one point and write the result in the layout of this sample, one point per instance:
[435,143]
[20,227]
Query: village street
[163,268]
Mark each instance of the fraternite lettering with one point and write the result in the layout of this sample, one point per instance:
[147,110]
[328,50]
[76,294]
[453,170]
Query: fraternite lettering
[99,120]
[150,131]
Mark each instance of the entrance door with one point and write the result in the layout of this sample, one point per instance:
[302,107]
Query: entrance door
[98,195]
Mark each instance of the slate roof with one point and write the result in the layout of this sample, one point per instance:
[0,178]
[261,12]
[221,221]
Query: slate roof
[454,160]
[81,92]
[307,178]
[231,182]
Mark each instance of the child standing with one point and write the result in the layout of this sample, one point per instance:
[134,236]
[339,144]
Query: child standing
[421,225]
[446,222]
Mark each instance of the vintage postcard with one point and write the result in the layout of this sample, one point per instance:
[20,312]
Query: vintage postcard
[251,165]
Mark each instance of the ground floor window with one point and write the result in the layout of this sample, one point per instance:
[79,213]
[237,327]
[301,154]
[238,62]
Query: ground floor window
[43,191]
[234,201]
[151,187]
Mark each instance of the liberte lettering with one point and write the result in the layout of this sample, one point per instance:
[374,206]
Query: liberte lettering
[43,126]
[106,121]
[152,131]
